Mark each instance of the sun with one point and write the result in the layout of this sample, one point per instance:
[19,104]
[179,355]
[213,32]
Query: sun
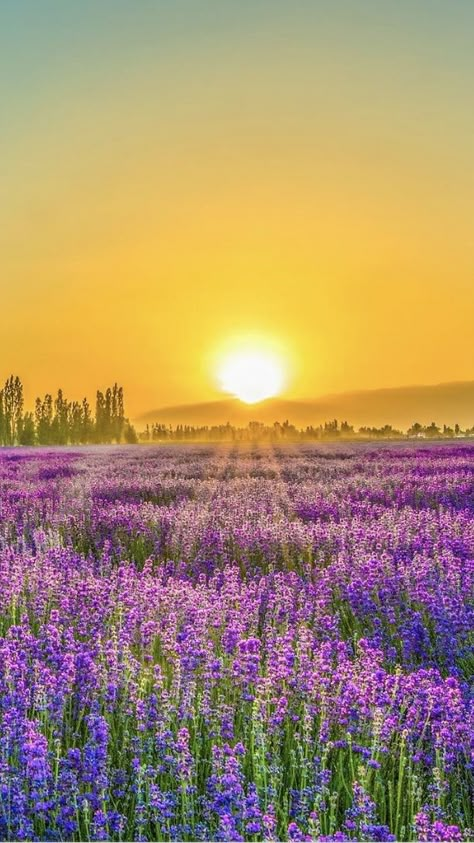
[251,375]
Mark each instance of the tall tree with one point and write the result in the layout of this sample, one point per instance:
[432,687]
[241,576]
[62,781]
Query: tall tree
[27,432]
[44,420]
[12,410]
[99,416]
[61,432]
[87,423]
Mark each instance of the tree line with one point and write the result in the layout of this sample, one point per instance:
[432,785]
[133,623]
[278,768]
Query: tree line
[330,430]
[58,421]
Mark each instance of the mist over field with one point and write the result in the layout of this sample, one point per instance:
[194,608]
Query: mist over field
[448,403]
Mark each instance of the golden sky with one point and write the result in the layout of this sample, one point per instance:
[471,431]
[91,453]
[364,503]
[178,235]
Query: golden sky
[175,175]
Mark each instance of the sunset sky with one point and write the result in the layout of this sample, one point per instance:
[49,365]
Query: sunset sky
[177,177]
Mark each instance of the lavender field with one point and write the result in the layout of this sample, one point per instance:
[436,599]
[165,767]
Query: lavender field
[218,643]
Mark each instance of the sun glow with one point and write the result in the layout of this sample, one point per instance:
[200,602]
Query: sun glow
[251,375]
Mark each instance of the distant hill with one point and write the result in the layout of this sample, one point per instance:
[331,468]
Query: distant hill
[445,403]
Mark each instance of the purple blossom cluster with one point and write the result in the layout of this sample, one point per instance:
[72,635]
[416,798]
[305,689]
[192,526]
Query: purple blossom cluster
[237,643]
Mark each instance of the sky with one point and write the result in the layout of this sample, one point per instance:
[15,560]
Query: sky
[179,176]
